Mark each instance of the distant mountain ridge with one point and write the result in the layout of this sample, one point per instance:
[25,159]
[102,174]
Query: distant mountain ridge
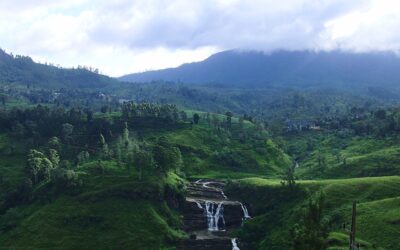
[24,71]
[284,68]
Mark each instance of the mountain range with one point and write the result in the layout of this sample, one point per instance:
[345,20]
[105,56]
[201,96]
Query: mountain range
[336,69]
[363,74]
[22,70]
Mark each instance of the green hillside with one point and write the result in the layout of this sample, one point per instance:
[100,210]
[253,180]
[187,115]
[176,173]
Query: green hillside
[327,155]
[111,196]
[277,210]
[17,71]
[89,162]
[109,211]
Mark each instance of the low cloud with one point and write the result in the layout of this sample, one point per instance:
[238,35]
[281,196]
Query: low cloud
[125,36]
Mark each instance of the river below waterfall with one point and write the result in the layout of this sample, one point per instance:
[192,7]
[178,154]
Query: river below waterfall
[210,215]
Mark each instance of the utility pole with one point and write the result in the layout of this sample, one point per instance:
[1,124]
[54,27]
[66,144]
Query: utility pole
[352,236]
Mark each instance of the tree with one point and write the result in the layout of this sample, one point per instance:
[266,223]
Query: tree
[83,157]
[380,114]
[38,166]
[166,156]
[321,161]
[229,119]
[89,115]
[54,143]
[183,116]
[126,146]
[64,178]
[289,178]
[66,131]
[54,158]
[104,109]
[196,118]
[125,135]
[105,152]
[241,122]
[214,120]
[312,233]
[208,119]
[3,99]
[142,161]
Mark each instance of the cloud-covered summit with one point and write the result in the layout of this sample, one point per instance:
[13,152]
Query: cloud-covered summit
[128,36]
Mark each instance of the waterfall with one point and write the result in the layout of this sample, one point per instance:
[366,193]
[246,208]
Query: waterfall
[245,211]
[234,244]
[199,205]
[205,185]
[214,215]
[223,194]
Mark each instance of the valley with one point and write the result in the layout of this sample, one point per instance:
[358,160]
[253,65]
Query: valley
[87,161]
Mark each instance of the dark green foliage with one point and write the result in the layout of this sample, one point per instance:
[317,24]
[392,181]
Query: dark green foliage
[21,194]
[83,157]
[166,156]
[196,118]
[91,169]
[275,210]
[23,70]
[38,166]
[143,161]
[132,110]
[312,232]
[10,219]
[64,178]
[105,152]
[289,178]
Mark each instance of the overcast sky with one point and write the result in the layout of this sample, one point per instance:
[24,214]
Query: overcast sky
[125,36]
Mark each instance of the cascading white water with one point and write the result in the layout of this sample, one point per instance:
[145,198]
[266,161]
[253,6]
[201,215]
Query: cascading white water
[234,244]
[213,205]
[214,215]
[223,195]
[199,205]
[206,185]
[245,211]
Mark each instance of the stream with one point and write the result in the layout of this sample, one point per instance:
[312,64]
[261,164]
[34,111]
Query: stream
[210,215]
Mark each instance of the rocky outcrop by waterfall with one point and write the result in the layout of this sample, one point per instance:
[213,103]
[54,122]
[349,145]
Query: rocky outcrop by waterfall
[209,216]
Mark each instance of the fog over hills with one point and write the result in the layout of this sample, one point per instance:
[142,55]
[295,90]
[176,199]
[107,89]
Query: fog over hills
[284,68]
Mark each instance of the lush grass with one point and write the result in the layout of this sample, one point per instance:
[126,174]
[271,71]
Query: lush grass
[340,241]
[206,154]
[12,161]
[330,155]
[276,209]
[112,208]
[379,222]
[108,223]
